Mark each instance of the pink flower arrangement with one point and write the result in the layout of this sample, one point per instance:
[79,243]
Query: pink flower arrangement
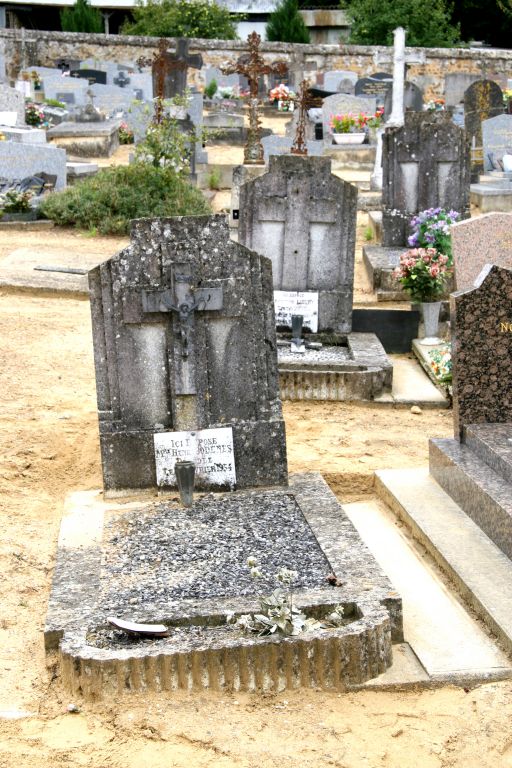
[348,123]
[422,272]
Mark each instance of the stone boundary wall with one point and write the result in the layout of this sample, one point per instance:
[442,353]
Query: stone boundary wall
[24,48]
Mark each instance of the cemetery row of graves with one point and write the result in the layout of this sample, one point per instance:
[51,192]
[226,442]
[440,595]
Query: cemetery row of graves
[206,321]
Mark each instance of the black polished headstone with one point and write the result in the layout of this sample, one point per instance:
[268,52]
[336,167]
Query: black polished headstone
[394,328]
[94,75]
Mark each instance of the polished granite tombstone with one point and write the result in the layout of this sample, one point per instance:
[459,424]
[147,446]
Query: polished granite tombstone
[479,241]
[475,467]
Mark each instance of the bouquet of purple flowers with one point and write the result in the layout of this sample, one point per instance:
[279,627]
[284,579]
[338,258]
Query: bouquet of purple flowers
[431,229]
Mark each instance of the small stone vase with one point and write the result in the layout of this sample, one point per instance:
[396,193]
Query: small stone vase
[349,138]
[430,313]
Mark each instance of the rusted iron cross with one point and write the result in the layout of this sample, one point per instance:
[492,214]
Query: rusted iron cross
[304,101]
[169,71]
[251,66]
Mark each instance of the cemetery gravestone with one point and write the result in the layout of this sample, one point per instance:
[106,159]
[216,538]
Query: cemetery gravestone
[12,100]
[482,350]
[376,85]
[497,141]
[303,218]
[66,90]
[184,341]
[91,75]
[222,80]
[413,99]
[476,242]
[456,85]
[340,81]
[18,161]
[425,165]
[482,100]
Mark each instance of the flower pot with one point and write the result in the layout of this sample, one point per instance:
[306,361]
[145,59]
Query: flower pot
[348,138]
[430,313]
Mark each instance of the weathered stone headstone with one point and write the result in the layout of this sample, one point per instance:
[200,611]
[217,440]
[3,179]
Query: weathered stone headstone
[497,141]
[413,99]
[12,100]
[65,89]
[340,81]
[341,103]
[482,100]
[482,350]
[222,80]
[476,242]
[456,85]
[425,164]
[303,218]
[184,340]
[18,161]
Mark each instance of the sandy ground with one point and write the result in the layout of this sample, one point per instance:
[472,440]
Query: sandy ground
[49,446]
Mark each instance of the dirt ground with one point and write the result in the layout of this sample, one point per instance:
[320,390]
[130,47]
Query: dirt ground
[49,447]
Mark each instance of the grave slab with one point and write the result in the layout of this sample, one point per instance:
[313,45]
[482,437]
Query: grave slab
[86,139]
[92,581]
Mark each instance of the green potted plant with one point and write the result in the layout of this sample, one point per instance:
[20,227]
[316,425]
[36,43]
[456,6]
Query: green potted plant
[422,272]
[349,128]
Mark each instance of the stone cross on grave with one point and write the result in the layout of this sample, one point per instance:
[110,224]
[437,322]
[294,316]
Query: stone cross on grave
[169,71]
[303,101]
[182,301]
[251,66]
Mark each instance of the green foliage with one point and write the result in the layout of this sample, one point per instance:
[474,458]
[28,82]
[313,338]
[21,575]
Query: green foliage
[214,179]
[373,22]
[286,25]
[368,234]
[81,17]
[485,20]
[55,103]
[108,201]
[211,89]
[165,145]
[182,18]
[14,201]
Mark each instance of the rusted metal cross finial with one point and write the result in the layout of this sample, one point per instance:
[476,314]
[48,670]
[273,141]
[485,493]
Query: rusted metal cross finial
[303,101]
[251,66]
[163,64]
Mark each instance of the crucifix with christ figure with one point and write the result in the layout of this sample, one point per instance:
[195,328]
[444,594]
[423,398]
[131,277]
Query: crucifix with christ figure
[252,65]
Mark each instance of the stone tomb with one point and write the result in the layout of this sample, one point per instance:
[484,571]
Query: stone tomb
[479,241]
[12,100]
[303,218]
[426,164]
[497,141]
[482,100]
[475,468]
[185,341]
[175,316]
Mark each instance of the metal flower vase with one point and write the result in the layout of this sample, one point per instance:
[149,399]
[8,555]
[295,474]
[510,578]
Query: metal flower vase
[185,478]
[430,313]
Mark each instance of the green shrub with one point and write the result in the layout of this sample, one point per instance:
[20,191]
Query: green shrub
[54,103]
[182,18]
[81,17]
[211,89]
[214,179]
[108,201]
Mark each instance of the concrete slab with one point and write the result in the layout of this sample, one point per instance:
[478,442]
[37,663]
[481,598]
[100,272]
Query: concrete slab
[406,671]
[17,270]
[449,643]
[478,568]
[412,386]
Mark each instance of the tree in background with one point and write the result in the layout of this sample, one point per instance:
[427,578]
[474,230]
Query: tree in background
[81,17]
[182,18]
[286,25]
[427,24]
[485,20]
